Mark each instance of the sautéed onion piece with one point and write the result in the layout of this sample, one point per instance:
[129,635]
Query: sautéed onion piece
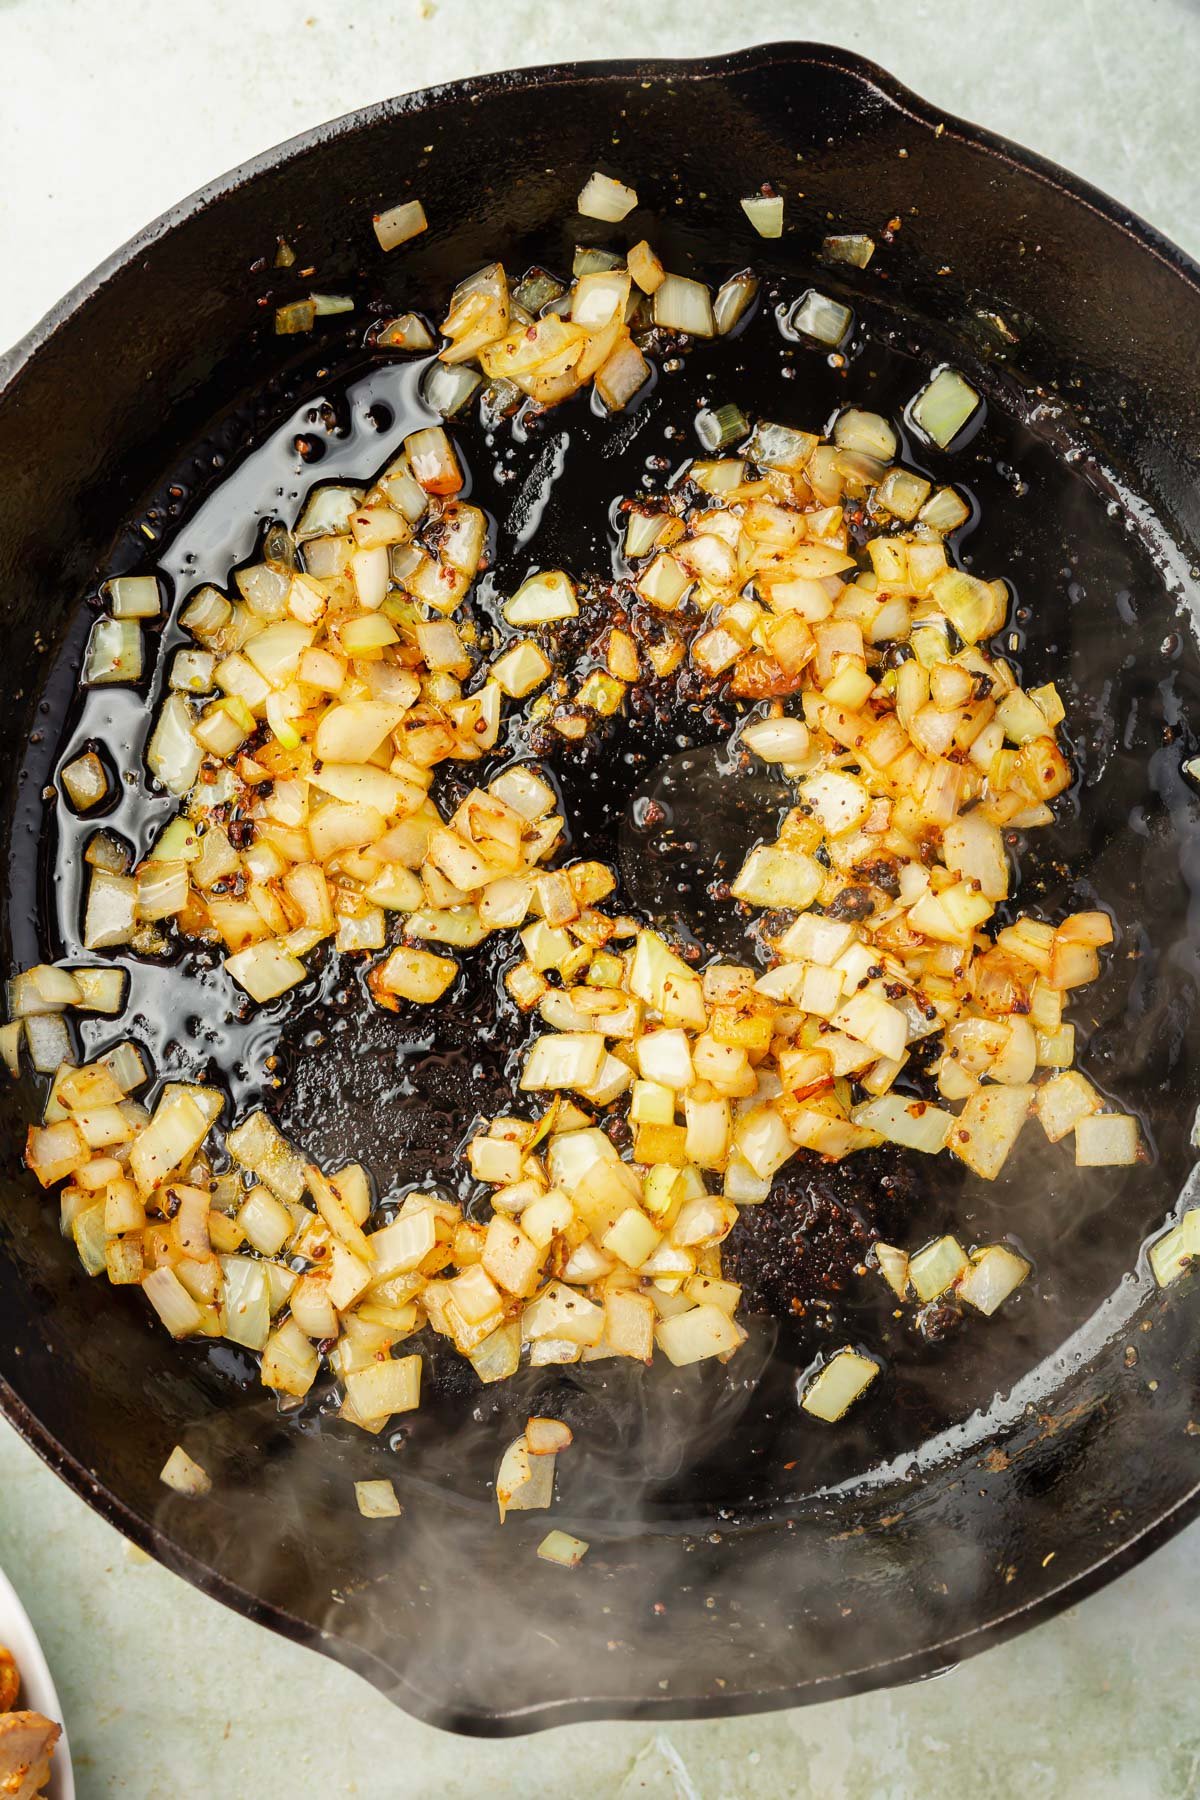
[322,694]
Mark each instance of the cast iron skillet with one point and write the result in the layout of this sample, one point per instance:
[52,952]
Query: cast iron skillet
[769,1566]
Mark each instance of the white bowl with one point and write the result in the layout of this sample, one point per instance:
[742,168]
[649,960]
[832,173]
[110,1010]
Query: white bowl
[37,1686]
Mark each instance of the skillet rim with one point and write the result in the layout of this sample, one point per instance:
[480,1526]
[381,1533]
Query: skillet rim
[890,1670]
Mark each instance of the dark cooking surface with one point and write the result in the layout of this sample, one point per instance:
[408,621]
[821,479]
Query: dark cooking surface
[346,1079]
[1095,1455]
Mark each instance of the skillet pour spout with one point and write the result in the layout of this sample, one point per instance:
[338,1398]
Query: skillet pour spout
[732,1567]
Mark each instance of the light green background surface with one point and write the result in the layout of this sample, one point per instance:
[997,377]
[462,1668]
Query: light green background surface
[110,110]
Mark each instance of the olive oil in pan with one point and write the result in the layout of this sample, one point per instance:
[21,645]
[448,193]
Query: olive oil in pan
[399,1091]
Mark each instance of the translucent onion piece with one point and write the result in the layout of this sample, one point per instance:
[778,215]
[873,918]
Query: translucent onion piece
[777,740]
[694,1336]
[49,1042]
[133,597]
[184,1474]
[937,1267]
[681,304]
[111,913]
[838,1384]
[266,970]
[994,1274]
[162,889]
[536,289]
[377,1500]
[206,613]
[173,756]
[721,426]
[604,198]
[942,408]
[945,510]
[85,781]
[867,432]
[733,300]
[247,1301]
[587,262]
[408,332]
[114,652]
[561,1548]
[1175,1252]
[298,316]
[325,305]
[328,510]
[399,223]
[819,317]
[542,599]
[446,387]
[1106,1140]
[192,671]
[765,213]
[101,990]
[854,248]
[623,375]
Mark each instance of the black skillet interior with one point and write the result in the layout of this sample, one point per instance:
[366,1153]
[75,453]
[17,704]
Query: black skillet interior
[738,1559]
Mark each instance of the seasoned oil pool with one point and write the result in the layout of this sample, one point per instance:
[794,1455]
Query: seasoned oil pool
[648,792]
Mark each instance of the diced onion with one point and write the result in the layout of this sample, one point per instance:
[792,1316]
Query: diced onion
[111,912]
[266,970]
[1175,1252]
[328,510]
[854,248]
[945,510]
[937,1267]
[1106,1140]
[86,781]
[48,1040]
[838,1384]
[446,387]
[247,1301]
[811,577]
[868,432]
[408,332]
[681,304]
[733,300]
[399,223]
[377,1500]
[561,1548]
[524,1483]
[819,317]
[624,374]
[326,305]
[133,597]
[546,1437]
[542,599]
[942,408]
[777,740]
[994,1274]
[765,213]
[697,1334]
[172,1302]
[604,198]
[162,889]
[173,755]
[295,317]
[114,652]
[184,1474]
[913,1123]
[721,426]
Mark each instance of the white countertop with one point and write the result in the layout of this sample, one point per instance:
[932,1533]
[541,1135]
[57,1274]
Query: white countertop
[114,109]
